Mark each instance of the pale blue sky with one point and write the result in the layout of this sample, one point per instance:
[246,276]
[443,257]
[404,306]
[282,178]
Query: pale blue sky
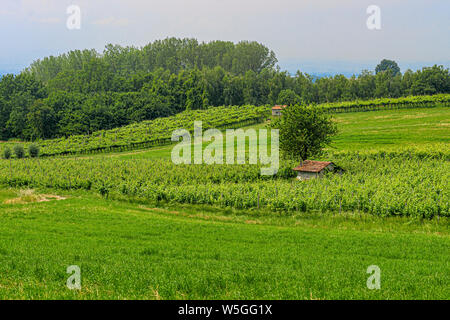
[322,34]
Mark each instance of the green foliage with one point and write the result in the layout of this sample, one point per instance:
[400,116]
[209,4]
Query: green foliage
[172,54]
[403,182]
[19,151]
[195,92]
[406,180]
[206,203]
[304,131]
[6,153]
[42,121]
[388,103]
[33,150]
[388,65]
[82,92]
[154,131]
[103,190]
[201,253]
[288,97]
[384,183]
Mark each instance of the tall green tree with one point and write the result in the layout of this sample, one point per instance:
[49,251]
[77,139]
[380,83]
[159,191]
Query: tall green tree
[304,131]
[388,65]
[195,91]
[42,121]
[5,111]
[288,97]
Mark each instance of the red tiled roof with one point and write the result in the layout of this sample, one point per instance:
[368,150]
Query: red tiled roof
[312,166]
[278,107]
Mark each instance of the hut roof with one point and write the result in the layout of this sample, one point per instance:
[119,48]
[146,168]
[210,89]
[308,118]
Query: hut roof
[279,107]
[312,166]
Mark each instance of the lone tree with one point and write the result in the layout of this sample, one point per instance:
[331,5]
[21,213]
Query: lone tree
[304,131]
[388,65]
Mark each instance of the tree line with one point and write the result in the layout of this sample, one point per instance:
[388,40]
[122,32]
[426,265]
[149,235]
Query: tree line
[84,91]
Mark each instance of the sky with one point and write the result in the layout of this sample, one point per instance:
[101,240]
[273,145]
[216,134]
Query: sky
[311,35]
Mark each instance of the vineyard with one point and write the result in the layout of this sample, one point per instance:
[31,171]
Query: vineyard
[379,185]
[158,132]
[408,177]
[153,133]
[389,103]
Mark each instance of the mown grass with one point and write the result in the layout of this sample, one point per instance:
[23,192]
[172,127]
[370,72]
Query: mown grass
[390,130]
[132,251]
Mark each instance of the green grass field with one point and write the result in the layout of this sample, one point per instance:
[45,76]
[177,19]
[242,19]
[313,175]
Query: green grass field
[130,249]
[391,130]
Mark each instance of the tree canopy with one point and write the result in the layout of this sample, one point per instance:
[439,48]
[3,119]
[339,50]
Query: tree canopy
[304,131]
[83,91]
[388,65]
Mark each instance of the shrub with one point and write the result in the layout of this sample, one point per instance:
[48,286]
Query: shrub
[33,151]
[7,153]
[19,151]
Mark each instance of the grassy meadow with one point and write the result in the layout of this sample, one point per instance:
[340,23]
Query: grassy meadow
[129,251]
[416,129]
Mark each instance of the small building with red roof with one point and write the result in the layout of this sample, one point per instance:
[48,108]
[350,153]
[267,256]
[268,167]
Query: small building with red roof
[314,169]
[276,111]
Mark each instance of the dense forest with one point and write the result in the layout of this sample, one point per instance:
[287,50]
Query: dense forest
[84,91]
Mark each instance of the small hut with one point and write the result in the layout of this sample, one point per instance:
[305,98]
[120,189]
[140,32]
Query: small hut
[315,169]
[276,111]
